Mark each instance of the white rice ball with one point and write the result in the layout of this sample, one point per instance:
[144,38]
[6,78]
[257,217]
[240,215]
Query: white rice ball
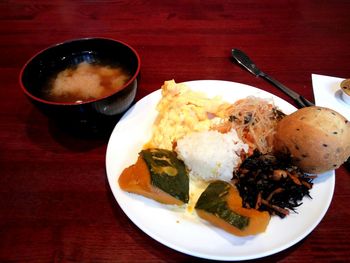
[211,155]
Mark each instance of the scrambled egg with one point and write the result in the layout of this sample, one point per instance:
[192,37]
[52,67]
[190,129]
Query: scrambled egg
[182,111]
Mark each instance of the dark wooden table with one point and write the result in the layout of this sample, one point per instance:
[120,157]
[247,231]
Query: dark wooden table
[55,201]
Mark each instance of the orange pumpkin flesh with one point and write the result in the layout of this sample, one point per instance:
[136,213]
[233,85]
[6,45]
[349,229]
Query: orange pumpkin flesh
[137,179]
[258,221]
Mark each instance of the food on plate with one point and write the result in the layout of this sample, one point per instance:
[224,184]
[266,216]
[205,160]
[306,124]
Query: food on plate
[272,184]
[181,111]
[221,205]
[86,81]
[158,174]
[223,159]
[255,120]
[211,155]
[317,139]
[345,86]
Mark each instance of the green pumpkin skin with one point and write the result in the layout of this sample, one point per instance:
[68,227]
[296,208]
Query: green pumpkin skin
[213,200]
[221,205]
[168,173]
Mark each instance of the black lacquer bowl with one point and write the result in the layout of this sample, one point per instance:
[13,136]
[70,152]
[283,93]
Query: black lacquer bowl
[92,115]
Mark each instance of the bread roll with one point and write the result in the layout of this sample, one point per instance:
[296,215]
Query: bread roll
[317,139]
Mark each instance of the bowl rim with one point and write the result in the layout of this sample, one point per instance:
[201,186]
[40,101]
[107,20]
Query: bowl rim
[131,80]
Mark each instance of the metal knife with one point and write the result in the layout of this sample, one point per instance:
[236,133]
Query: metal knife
[248,64]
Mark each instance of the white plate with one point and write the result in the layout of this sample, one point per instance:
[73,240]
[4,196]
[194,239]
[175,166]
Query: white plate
[185,232]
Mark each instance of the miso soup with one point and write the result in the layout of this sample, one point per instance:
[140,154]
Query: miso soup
[86,81]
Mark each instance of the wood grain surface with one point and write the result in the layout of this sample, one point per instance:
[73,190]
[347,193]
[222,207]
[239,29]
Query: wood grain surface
[55,201]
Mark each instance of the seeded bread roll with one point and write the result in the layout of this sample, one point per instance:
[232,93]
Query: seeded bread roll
[317,139]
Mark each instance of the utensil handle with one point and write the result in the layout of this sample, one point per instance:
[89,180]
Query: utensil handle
[306,102]
[299,100]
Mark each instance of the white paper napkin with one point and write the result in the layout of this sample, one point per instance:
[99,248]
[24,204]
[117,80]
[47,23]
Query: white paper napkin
[327,93]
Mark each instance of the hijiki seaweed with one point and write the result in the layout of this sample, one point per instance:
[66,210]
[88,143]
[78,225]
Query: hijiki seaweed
[272,184]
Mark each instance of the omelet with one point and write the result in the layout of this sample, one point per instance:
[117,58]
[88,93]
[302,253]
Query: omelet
[181,111]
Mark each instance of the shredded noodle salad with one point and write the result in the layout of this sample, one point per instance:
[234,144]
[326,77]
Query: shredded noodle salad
[255,120]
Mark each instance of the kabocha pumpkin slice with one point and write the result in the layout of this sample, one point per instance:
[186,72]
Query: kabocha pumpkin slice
[221,205]
[158,175]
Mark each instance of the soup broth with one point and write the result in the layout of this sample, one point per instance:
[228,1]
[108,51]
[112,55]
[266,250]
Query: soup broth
[86,81]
